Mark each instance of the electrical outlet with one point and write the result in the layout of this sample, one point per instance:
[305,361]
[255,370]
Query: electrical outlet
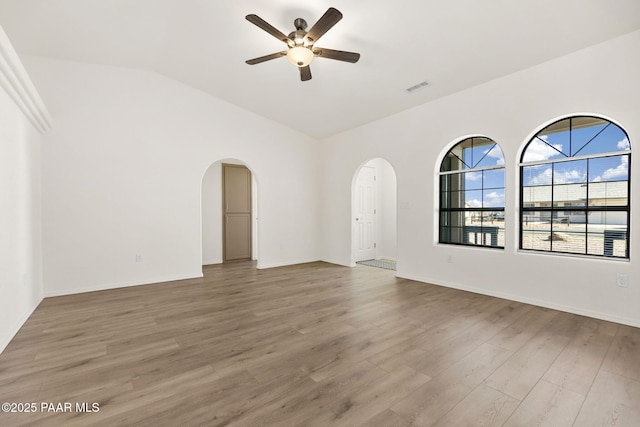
[621,280]
[450,259]
[138,257]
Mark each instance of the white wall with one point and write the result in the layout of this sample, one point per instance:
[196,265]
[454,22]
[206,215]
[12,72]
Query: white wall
[122,175]
[387,207]
[602,79]
[20,220]
[212,215]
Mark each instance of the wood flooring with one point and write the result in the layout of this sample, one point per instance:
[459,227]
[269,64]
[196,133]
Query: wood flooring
[315,345]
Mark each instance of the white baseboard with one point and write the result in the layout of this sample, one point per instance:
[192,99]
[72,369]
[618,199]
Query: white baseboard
[263,266]
[336,262]
[105,287]
[212,262]
[533,301]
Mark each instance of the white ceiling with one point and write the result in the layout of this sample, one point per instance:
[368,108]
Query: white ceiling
[453,44]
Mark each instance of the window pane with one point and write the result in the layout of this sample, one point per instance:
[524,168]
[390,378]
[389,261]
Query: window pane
[490,155]
[494,178]
[537,175]
[476,150]
[456,199]
[452,224]
[571,172]
[493,227]
[607,234]
[445,195]
[569,195]
[473,199]
[536,231]
[462,151]
[608,193]
[445,236]
[611,139]
[493,198]
[569,180]
[540,149]
[481,234]
[451,163]
[537,196]
[552,142]
[585,132]
[472,153]
[614,168]
[472,180]
[568,234]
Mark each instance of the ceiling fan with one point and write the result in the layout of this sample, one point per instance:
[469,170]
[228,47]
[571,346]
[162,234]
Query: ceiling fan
[301,47]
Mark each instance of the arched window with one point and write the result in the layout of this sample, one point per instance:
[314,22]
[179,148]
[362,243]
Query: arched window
[472,194]
[575,188]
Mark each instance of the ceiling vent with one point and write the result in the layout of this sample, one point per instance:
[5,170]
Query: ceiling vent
[417,87]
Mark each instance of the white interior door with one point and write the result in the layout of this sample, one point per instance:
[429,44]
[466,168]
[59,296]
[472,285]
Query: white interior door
[364,214]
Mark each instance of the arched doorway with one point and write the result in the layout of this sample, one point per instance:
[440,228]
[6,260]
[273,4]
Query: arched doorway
[212,212]
[374,212]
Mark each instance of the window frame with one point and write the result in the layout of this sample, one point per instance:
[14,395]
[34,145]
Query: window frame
[583,210]
[442,210]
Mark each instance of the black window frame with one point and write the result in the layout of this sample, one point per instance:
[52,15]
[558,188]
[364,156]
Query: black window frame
[474,236]
[609,236]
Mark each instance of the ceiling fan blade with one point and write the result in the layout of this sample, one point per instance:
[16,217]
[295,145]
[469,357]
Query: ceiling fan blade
[305,73]
[340,55]
[260,59]
[324,24]
[256,20]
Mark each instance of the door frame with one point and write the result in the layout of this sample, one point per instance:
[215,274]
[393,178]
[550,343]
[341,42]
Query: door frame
[380,184]
[211,235]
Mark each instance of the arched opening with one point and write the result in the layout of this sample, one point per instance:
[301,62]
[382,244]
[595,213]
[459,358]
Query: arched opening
[374,214]
[213,213]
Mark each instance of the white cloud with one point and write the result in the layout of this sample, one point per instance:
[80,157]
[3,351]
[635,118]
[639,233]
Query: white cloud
[543,178]
[494,199]
[538,150]
[475,203]
[624,144]
[563,177]
[473,176]
[570,176]
[621,171]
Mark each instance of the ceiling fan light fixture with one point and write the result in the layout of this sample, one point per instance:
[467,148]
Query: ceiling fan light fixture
[300,56]
[301,47]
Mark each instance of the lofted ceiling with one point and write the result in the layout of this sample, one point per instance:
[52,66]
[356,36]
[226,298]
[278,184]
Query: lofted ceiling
[452,44]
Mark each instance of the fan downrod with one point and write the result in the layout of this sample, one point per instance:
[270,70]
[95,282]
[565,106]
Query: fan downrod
[300,24]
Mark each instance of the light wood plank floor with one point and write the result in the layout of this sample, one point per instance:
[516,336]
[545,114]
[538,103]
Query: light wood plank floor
[317,345]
